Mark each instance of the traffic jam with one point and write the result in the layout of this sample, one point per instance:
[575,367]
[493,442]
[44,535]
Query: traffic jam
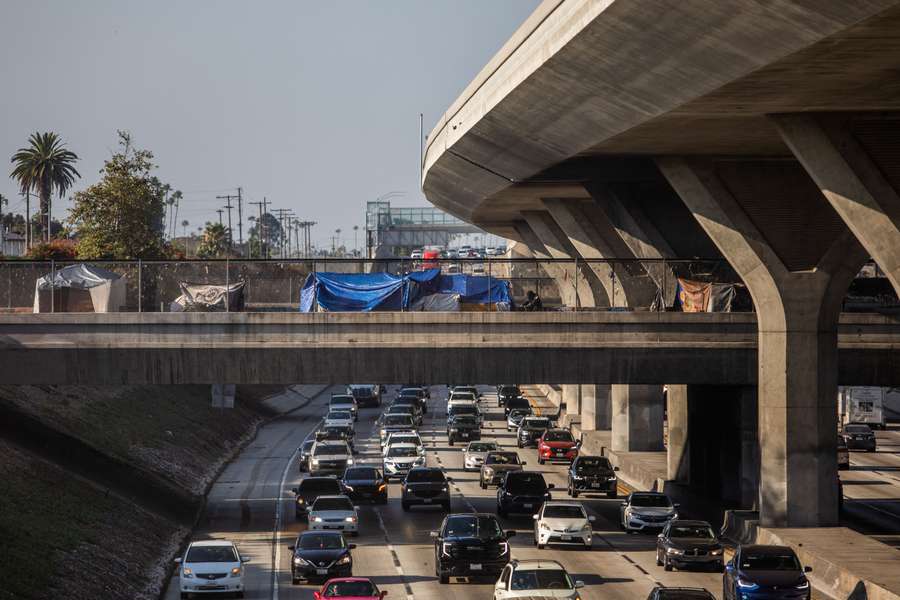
[473,486]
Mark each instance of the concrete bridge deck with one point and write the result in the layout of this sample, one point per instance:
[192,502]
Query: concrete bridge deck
[571,347]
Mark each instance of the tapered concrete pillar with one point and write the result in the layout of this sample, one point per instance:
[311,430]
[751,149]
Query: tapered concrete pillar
[797,283]
[852,179]
[678,451]
[637,418]
[571,395]
[596,407]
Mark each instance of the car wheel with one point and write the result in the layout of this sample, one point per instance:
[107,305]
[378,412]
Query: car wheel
[450,442]
[724,592]
[447,506]
[613,494]
[185,595]
[540,460]
[540,546]
[666,564]
[443,578]
[502,512]
[405,505]
[295,581]
[239,595]
[383,500]
[658,562]
[482,484]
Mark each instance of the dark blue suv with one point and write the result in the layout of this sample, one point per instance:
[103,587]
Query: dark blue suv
[765,573]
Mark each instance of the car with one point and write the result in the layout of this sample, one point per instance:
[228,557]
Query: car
[514,403]
[468,409]
[303,453]
[843,454]
[403,437]
[522,492]
[425,485]
[311,488]
[469,545]
[506,391]
[496,465]
[368,396]
[536,579]
[330,456]
[684,544]
[416,255]
[466,389]
[679,593]
[763,572]
[404,410]
[334,512]
[515,416]
[530,431]
[859,436]
[338,418]
[474,453]
[644,511]
[399,459]
[349,588]
[211,567]
[460,399]
[344,402]
[557,444]
[390,423]
[420,393]
[462,428]
[336,433]
[409,405]
[320,555]
[365,484]
[592,474]
[563,522]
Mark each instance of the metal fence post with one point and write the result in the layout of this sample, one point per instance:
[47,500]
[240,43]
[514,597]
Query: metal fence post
[575,281]
[612,275]
[489,283]
[665,287]
[227,283]
[140,286]
[52,286]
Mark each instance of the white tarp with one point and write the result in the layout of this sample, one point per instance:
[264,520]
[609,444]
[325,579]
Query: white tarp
[203,297]
[80,288]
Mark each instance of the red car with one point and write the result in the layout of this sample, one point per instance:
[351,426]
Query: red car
[557,444]
[349,588]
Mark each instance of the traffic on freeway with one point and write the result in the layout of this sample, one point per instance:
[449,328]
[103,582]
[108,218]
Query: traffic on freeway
[381,504]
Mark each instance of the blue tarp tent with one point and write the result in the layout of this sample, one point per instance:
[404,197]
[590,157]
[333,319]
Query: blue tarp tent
[352,292]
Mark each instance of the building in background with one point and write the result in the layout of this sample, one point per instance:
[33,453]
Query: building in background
[12,243]
[396,232]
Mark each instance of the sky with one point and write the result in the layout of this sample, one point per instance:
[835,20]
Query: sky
[313,105]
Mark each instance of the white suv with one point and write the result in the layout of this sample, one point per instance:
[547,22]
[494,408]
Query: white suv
[334,512]
[563,522]
[536,579]
[211,567]
[403,437]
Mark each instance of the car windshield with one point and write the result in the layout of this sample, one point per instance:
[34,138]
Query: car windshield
[564,512]
[426,475]
[509,390]
[525,483]
[517,414]
[502,458]
[766,561]
[684,595]
[332,504]
[406,439]
[362,473]
[541,579]
[465,390]
[692,531]
[463,421]
[323,449]
[397,420]
[858,429]
[400,451]
[313,484]
[464,409]
[472,526]
[345,589]
[558,436]
[536,423]
[307,445]
[342,401]
[462,396]
[202,554]
[651,500]
[592,464]
[322,541]
[482,446]
[518,402]
[339,415]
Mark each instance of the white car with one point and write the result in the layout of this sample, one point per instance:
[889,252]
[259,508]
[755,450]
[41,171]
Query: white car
[647,511]
[536,579]
[415,254]
[400,458]
[330,456]
[344,402]
[475,453]
[457,401]
[404,437]
[211,567]
[339,418]
[334,513]
[563,522]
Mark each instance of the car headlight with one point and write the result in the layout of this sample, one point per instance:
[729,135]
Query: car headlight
[382,487]
[345,559]
[187,572]
[349,461]
[299,560]
[544,527]
[746,585]
[716,552]
[300,501]
[674,551]
[489,471]
[673,516]
[587,527]
[350,519]
[317,519]
[235,571]
[444,489]
[445,549]
[315,461]
[803,585]
[577,477]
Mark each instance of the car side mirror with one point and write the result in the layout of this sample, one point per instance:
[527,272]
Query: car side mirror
[592,518]
[551,486]
[245,559]
[295,490]
[384,593]
[807,569]
[433,534]
[624,504]
[524,463]
[510,533]
[177,561]
[677,504]
[535,517]
[291,548]
[317,596]
[355,508]
[351,546]
[615,468]
[579,584]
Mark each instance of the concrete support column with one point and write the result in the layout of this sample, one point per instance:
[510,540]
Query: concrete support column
[571,397]
[749,432]
[637,418]
[596,408]
[678,451]
[797,284]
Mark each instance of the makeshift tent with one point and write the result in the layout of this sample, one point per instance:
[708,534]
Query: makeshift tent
[80,288]
[700,296]
[203,297]
[342,292]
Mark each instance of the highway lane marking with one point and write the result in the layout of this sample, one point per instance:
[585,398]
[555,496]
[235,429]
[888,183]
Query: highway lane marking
[396,558]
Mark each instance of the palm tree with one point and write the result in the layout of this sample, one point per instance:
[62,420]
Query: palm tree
[355,229]
[184,226]
[45,166]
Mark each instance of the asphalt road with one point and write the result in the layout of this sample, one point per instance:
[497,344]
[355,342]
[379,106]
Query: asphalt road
[872,489]
[394,547]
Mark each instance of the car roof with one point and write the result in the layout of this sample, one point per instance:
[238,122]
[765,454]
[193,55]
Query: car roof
[647,494]
[690,523]
[321,532]
[438,469]
[765,549]
[332,497]
[563,503]
[483,442]
[404,445]
[557,430]
[540,563]
[213,543]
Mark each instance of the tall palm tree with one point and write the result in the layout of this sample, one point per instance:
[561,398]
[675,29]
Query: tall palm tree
[45,166]
[184,226]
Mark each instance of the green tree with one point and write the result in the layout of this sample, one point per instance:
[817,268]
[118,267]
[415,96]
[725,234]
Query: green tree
[45,166]
[121,217]
[213,242]
[13,222]
[270,228]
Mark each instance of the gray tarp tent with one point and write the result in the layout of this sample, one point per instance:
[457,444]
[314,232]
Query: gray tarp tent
[80,288]
[203,297]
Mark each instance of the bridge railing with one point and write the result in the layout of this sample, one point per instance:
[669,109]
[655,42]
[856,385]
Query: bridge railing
[274,285]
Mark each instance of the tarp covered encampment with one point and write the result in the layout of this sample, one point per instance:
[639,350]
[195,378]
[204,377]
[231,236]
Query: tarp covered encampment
[204,297]
[80,288]
[364,292]
[702,296]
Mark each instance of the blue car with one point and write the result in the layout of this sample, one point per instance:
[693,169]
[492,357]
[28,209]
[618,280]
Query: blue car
[765,573]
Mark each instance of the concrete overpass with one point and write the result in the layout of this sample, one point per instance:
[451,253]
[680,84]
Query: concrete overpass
[765,133]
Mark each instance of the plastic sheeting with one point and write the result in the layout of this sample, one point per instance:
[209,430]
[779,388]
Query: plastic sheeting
[699,296]
[202,297]
[80,288]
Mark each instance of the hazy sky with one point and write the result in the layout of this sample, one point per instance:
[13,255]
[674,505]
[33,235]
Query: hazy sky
[313,104]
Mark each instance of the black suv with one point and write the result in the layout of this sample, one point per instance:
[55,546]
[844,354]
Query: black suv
[310,489]
[506,391]
[365,484]
[681,593]
[522,492]
[470,545]
[517,402]
[859,436]
[419,393]
[425,485]
[463,428]
[592,474]
[337,433]
[531,429]
[366,395]
[684,544]
[320,555]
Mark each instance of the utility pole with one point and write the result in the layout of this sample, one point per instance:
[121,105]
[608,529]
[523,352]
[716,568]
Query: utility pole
[220,211]
[261,228]
[228,206]
[240,220]
[27,195]
[282,216]
[297,235]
